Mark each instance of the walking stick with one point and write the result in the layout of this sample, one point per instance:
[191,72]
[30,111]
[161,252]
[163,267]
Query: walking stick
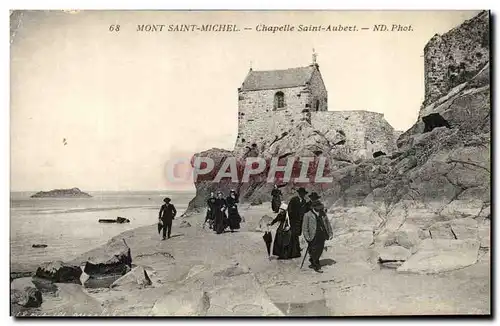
[305,255]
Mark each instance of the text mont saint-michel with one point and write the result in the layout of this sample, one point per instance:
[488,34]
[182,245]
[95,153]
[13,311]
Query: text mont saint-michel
[271,28]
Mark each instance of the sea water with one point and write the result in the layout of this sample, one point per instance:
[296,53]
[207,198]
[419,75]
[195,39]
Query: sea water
[69,226]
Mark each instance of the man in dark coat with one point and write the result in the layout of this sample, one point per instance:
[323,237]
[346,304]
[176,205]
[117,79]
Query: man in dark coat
[276,198]
[317,229]
[297,207]
[166,215]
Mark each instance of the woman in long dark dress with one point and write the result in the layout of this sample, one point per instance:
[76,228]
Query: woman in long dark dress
[281,246]
[276,199]
[233,216]
[210,217]
[220,207]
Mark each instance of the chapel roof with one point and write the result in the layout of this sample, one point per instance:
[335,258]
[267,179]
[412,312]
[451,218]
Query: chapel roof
[273,79]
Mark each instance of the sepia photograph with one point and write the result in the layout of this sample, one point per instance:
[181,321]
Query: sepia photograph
[250,163]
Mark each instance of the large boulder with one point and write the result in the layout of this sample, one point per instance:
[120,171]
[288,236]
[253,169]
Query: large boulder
[464,228]
[242,296]
[461,229]
[24,293]
[441,255]
[59,272]
[182,302]
[204,183]
[349,219]
[354,239]
[112,259]
[407,237]
[73,300]
[138,277]
[462,208]
[393,254]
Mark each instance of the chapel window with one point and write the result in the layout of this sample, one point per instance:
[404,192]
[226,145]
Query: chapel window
[279,100]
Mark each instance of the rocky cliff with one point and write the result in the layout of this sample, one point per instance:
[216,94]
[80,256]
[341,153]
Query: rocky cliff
[430,199]
[456,56]
[438,178]
[342,138]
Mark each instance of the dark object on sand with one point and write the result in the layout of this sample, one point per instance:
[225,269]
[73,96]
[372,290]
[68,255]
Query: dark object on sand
[119,220]
[160,227]
[39,246]
[268,239]
[104,220]
[59,272]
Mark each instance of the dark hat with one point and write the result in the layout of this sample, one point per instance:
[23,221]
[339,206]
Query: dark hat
[317,205]
[302,190]
[166,199]
[314,196]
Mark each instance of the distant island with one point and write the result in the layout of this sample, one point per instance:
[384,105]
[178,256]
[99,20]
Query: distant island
[61,193]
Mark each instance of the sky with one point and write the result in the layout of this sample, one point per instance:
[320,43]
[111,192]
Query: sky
[103,110]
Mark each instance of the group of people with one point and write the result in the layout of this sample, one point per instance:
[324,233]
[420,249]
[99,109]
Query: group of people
[217,207]
[300,217]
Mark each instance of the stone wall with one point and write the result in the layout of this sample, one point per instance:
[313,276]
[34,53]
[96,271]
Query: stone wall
[456,56]
[318,92]
[252,104]
[260,128]
[365,132]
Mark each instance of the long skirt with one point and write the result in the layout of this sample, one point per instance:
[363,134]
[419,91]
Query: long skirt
[294,249]
[209,217]
[220,222]
[286,246]
[234,219]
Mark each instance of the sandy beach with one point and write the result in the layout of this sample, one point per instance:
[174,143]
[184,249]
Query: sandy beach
[197,272]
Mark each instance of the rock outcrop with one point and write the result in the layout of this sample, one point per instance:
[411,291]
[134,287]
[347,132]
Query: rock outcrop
[61,193]
[205,185]
[59,272]
[441,255]
[24,293]
[456,56]
[113,259]
[138,277]
[183,302]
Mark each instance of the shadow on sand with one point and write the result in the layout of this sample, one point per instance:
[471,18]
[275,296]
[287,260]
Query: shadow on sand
[327,262]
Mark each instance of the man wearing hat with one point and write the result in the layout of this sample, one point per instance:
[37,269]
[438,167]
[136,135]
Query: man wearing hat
[297,207]
[316,229]
[167,214]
